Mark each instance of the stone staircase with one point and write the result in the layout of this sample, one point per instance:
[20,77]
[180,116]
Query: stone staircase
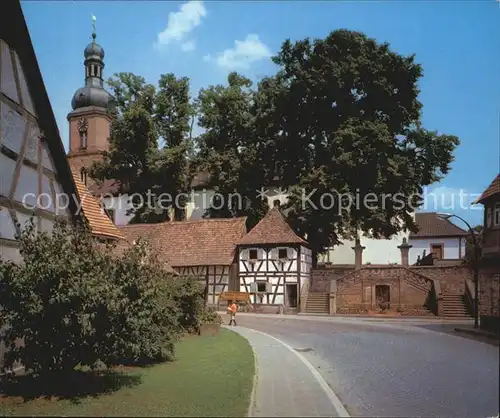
[318,303]
[454,306]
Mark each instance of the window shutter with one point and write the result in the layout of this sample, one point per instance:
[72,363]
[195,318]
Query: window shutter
[253,287]
[269,287]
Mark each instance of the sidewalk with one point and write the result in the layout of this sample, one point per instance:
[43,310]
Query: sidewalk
[287,385]
[478,333]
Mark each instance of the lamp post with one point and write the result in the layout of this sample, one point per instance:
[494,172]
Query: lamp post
[475,264]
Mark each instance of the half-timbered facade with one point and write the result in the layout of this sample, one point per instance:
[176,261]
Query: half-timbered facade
[205,249]
[35,178]
[273,262]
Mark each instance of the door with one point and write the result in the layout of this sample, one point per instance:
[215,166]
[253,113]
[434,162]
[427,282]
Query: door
[437,250]
[383,296]
[291,295]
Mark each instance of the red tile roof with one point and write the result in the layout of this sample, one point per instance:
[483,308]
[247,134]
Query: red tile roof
[272,229]
[191,243]
[99,222]
[431,225]
[493,189]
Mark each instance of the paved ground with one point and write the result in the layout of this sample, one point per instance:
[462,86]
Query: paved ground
[393,367]
[285,386]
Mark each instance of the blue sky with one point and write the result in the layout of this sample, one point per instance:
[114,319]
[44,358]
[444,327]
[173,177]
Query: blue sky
[457,43]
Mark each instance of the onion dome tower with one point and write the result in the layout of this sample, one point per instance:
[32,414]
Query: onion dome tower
[90,119]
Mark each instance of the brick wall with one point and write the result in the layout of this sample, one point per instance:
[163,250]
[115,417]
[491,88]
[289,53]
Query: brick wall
[451,278]
[489,298]
[321,277]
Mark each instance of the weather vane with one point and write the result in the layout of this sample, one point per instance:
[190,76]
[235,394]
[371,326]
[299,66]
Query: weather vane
[93,26]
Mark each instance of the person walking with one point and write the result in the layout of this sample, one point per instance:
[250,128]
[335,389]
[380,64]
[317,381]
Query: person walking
[232,311]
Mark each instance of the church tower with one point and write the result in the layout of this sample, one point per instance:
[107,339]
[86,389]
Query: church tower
[90,119]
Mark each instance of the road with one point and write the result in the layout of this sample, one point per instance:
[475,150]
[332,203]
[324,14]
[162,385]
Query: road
[388,368]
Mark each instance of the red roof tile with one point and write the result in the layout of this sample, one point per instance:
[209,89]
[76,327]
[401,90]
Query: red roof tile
[431,225]
[493,189]
[272,229]
[99,222]
[191,243]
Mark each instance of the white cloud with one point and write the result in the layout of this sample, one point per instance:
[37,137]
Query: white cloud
[243,54]
[188,46]
[181,23]
[448,199]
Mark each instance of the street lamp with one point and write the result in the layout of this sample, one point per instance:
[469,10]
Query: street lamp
[447,216]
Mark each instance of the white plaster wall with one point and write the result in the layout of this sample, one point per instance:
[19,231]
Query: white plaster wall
[199,202]
[11,254]
[7,167]
[120,204]
[288,266]
[451,248]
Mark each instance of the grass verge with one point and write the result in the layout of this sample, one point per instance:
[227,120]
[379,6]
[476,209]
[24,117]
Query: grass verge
[211,376]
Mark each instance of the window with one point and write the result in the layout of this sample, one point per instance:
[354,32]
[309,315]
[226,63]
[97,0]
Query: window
[253,254]
[261,287]
[282,253]
[83,139]
[276,203]
[83,176]
[496,215]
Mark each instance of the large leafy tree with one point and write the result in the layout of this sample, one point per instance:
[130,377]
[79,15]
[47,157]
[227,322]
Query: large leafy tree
[341,122]
[227,149]
[149,145]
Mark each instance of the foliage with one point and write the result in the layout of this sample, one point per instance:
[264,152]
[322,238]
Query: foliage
[469,244]
[338,125]
[150,143]
[210,316]
[341,117]
[74,301]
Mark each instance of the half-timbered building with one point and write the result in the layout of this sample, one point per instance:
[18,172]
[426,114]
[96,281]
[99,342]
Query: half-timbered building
[205,249]
[274,263]
[35,178]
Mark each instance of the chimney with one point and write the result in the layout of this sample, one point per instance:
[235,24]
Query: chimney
[358,254]
[405,249]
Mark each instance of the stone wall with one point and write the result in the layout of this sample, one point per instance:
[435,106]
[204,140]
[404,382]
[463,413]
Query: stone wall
[451,278]
[489,298]
[322,276]
[409,292]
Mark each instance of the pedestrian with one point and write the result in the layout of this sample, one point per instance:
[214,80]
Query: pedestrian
[232,311]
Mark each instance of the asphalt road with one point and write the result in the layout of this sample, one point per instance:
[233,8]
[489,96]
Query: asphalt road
[400,369]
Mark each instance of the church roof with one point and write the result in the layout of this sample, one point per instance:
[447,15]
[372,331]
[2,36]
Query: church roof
[99,222]
[493,189]
[191,243]
[272,229]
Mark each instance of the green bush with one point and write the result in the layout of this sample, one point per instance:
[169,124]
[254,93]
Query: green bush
[210,316]
[74,302]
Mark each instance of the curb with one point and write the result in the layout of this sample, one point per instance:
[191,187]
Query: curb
[251,405]
[485,334]
[334,399]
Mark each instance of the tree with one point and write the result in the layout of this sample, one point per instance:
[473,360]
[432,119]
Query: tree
[227,150]
[149,144]
[341,120]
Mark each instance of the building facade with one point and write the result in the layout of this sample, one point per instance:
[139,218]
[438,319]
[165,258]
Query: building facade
[273,263]
[489,267]
[35,178]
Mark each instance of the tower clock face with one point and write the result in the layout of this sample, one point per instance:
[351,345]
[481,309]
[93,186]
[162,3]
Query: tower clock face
[83,125]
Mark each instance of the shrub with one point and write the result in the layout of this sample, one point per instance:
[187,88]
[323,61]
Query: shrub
[210,316]
[75,303]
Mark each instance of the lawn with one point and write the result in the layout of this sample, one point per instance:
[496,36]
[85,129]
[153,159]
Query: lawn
[211,376]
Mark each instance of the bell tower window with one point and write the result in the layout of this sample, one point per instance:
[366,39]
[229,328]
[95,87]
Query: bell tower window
[82,130]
